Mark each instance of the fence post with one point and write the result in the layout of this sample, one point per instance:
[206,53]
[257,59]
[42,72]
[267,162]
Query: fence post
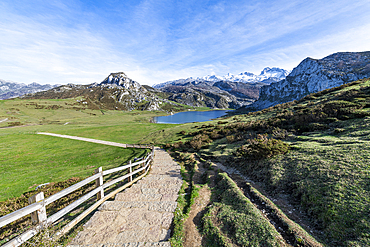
[130,178]
[38,216]
[98,183]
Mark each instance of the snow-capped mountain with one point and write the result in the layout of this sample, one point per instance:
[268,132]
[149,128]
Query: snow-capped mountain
[10,89]
[267,75]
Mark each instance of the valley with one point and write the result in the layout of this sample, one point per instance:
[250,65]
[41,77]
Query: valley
[294,174]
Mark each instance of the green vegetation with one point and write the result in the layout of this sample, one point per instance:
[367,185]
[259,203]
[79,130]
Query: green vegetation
[232,220]
[325,174]
[38,159]
[185,200]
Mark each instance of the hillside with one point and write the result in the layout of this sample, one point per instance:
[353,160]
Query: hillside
[314,75]
[310,157]
[222,94]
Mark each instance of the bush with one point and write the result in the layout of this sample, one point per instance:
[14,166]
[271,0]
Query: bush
[199,141]
[261,148]
[10,124]
[230,139]
[280,133]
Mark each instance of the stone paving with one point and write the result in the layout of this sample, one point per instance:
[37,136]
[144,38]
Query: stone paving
[139,216]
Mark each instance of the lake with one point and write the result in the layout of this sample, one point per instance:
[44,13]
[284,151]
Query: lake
[190,117]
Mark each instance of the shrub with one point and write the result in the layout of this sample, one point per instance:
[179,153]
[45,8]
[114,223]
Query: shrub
[10,124]
[317,126]
[279,133]
[230,138]
[262,147]
[215,135]
[199,141]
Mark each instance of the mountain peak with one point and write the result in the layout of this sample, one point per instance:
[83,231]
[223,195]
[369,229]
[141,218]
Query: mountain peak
[120,79]
[274,72]
[118,74]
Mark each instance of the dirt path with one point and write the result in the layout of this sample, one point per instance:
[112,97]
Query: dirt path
[192,236]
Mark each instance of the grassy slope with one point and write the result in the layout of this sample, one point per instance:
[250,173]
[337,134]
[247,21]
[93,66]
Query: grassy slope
[327,172]
[233,216]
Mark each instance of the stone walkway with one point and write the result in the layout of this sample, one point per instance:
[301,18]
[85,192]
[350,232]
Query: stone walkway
[139,216]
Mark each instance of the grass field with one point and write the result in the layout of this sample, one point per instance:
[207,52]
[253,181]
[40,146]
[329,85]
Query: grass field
[28,159]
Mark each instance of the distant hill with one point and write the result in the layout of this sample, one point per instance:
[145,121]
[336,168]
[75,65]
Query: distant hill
[9,89]
[314,75]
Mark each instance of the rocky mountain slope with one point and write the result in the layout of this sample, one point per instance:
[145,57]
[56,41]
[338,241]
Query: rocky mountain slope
[267,76]
[9,89]
[314,75]
[221,94]
[117,91]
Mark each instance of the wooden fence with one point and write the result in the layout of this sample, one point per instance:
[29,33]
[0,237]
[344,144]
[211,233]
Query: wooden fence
[38,203]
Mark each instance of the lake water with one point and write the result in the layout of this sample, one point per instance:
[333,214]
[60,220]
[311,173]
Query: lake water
[190,117]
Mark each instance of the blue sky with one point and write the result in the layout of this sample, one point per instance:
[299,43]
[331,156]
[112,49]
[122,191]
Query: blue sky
[152,41]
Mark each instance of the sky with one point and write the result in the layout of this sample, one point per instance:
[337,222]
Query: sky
[153,41]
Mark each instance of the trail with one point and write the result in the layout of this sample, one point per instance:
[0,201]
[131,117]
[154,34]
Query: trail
[116,144]
[140,215]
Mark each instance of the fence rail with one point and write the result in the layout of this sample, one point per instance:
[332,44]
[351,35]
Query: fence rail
[38,202]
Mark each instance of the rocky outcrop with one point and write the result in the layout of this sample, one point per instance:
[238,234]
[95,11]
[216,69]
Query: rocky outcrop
[314,75]
[120,80]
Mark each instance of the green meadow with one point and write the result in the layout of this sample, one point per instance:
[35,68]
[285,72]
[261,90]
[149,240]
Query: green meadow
[28,159]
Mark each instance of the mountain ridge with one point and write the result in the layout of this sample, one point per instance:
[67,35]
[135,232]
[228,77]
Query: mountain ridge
[10,89]
[267,76]
[314,75]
